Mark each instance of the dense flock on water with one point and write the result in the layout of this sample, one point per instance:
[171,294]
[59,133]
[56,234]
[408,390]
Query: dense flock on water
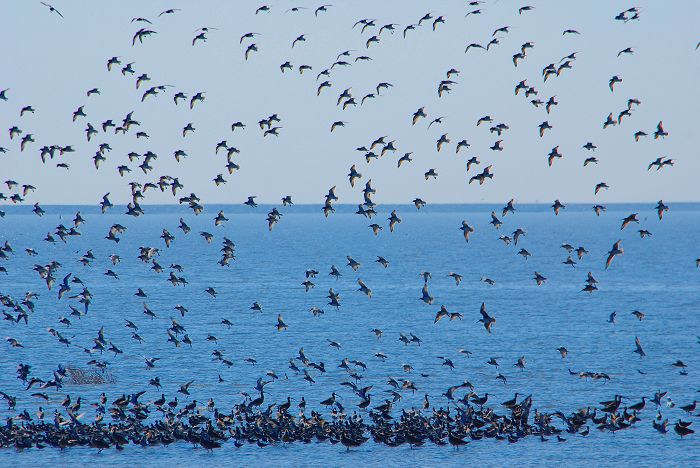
[51,409]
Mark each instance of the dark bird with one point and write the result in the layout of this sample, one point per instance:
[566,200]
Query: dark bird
[614,251]
[52,9]
[638,347]
[486,319]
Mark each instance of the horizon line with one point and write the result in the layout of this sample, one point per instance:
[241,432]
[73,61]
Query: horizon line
[685,202]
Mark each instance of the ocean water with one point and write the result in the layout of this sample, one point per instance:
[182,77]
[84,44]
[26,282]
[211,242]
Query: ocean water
[656,275]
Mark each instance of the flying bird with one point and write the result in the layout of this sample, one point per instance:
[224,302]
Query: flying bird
[52,9]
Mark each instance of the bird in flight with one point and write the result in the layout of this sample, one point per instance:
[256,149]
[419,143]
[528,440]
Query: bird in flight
[52,9]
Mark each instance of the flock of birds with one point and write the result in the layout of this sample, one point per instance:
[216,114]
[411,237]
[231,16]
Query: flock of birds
[462,415]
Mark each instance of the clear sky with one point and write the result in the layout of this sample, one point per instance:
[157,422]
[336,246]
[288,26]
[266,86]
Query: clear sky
[51,62]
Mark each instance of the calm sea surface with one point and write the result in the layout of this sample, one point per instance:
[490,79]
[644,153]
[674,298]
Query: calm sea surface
[656,275]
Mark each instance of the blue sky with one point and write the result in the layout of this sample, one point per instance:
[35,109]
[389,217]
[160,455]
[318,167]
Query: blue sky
[54,61]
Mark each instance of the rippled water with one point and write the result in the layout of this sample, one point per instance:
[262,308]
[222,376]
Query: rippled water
[656,275]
